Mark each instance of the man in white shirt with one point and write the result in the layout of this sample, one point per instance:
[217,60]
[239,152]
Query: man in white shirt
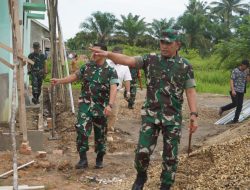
[123,76]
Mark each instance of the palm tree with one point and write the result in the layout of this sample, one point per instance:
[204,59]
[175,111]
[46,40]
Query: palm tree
[102,24]
[81,40]
[157,26]
[131,27]
[197,7]
[226,8]
[195,23]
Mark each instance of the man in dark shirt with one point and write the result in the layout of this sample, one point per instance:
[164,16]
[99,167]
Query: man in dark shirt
[238,86]
[37,71]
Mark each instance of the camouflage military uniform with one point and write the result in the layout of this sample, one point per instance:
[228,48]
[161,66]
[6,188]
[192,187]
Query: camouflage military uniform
[37,72]
[133,86]
[166,80]
[96,81]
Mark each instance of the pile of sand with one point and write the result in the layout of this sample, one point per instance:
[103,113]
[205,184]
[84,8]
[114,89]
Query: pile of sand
[224,165]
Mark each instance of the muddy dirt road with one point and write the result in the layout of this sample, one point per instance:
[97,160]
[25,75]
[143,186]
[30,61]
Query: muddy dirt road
[57,172]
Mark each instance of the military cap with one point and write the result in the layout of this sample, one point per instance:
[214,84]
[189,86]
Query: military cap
[170,35]
[36,45]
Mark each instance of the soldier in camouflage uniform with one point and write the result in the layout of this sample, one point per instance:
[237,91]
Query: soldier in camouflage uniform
[37,71]
[135,73]
[167,76]
[99,87]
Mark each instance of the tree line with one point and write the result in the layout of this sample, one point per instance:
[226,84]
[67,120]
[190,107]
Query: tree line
[221,27]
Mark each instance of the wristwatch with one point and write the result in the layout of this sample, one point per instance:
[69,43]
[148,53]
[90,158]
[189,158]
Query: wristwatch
[194,113]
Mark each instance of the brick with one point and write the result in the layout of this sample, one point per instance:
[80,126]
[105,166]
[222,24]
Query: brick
[49,122]
[25,148]
[41,154]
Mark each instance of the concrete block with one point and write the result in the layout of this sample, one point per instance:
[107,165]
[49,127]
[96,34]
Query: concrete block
[36,139]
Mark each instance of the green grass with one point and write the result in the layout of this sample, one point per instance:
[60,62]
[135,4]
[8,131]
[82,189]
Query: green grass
[214,81]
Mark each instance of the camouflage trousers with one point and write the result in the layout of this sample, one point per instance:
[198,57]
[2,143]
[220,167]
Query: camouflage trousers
[149,133]
[36,82]
[133,90]
[84,128]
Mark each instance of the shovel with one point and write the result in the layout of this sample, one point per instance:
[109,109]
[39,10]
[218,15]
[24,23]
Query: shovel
[190,138]
[189,143]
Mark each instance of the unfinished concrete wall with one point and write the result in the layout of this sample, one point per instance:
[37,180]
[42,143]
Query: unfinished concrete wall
[4,98]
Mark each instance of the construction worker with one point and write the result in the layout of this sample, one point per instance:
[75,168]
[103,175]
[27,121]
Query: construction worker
[99,88]
[37,71]
[123,76]
[135,74]
[238,81]
[167,76]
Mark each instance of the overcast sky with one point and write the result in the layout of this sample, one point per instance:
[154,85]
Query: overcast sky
[73,12]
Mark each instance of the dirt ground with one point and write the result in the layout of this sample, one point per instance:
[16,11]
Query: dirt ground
[57,172]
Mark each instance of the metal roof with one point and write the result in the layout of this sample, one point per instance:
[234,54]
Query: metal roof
[245,113]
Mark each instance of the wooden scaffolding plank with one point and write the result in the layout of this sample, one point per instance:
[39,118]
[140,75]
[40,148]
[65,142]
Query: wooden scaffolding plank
[24,59]
[7,63]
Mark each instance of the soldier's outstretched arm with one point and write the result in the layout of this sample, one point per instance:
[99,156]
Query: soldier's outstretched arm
[116,57]
[65,80]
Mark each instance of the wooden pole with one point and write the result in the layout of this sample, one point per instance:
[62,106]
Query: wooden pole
[61,53]
[13,129]
[67,68]
[13,12]
[52,8]
[17,50]
[60,68]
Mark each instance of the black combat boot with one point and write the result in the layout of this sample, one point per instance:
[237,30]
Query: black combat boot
[37,98]
[33,100]
[83,163]
[130,106]
[141,178]
[99,160]
[165,186]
